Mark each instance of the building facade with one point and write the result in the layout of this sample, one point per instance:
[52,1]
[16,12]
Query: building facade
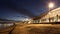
[51,16]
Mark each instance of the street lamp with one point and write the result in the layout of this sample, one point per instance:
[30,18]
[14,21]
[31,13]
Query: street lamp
[50,5]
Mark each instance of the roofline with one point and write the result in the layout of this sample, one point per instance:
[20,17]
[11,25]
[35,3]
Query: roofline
[39,17]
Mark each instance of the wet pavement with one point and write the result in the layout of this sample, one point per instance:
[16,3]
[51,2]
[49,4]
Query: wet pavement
[36,29]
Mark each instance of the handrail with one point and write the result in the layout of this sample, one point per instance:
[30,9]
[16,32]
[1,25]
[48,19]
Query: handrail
[9,30]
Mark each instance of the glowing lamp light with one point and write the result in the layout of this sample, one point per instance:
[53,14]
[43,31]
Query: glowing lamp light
[51,5]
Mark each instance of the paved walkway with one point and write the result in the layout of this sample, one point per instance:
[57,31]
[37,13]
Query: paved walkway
[37,29]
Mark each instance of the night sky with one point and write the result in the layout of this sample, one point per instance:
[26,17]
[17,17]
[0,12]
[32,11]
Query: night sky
[21,9]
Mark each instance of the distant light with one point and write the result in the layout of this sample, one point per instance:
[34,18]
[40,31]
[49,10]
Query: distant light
[27,19]
[51,5]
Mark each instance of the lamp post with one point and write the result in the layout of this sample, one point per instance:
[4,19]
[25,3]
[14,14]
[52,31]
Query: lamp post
[50,6]
[57,17]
